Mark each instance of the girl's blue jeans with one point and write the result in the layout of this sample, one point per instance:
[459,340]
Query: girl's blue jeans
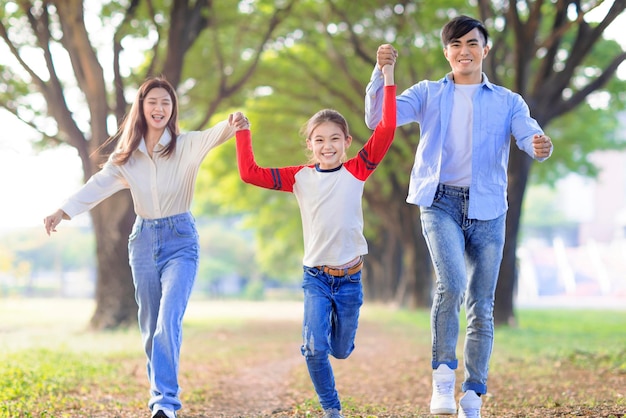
[466,255]
[163,256]
[331,316]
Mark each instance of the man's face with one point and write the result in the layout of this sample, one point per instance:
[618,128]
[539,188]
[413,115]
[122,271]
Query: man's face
[466,55]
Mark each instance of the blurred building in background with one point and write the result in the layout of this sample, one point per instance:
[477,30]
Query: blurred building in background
[584,262]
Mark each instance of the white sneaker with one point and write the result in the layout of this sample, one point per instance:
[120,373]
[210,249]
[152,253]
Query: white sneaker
[469,405]
[442,402]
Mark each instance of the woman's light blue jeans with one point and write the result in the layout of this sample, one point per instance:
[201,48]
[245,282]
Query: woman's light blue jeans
[331,318]
[163,256]
[466,255]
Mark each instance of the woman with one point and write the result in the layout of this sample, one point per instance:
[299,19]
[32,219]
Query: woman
[159,165]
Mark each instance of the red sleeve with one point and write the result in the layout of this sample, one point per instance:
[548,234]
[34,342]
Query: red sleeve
[269,178]
[377,146]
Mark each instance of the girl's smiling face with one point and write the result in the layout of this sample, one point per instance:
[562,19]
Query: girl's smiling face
[328,144]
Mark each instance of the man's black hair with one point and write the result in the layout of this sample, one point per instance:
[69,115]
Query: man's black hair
[459,27]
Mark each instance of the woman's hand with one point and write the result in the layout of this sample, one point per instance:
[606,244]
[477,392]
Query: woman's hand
[50,222]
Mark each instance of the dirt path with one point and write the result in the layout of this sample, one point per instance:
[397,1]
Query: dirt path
[271,379]
[388,376]
[259,390]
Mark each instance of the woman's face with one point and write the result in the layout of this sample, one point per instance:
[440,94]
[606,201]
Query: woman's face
[157,108]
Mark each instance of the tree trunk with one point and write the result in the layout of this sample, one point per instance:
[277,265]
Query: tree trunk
[416,279]
[518,171]
[115,295]
[401,271]
[380,273]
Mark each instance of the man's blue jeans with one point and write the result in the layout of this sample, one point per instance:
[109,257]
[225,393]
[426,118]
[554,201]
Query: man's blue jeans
[163,256]
[466,255]
[331,316]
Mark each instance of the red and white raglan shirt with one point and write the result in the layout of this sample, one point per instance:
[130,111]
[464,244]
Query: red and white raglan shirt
[330,200]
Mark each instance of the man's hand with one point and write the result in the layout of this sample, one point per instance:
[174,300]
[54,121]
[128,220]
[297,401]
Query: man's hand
[386,55]
[542,146]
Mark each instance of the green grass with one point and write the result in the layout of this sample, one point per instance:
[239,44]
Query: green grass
[50,363]
[588,336]
[38,380]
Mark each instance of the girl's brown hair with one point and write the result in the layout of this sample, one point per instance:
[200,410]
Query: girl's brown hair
[134,126]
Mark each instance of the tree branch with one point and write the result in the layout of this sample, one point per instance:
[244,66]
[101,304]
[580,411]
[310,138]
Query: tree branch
[16,54]
[55,139]
[586,38]
[553,111]
[186,24]
[226,90]
[118,81]
[52,90]
[90,78]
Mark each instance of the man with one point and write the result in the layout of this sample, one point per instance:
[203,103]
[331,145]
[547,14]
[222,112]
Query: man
[459,181]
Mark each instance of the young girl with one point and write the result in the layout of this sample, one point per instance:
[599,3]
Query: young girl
[159,165]
[329,193]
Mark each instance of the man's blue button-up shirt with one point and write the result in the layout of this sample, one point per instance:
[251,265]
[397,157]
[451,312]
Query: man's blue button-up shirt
[498,114]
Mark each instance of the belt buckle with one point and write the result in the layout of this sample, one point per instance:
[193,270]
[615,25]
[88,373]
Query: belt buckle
[334,272]
[343,272]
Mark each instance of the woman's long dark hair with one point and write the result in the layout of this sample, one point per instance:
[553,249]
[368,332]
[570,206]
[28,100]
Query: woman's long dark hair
[134,126]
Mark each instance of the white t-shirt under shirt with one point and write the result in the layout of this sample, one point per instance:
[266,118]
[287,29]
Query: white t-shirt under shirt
[456,159]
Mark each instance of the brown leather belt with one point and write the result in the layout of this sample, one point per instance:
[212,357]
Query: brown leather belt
[342,272]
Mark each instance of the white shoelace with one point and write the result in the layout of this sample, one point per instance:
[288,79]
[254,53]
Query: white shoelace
[444,388]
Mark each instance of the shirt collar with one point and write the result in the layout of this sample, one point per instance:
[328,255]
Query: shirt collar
[327,170]
[485,82]
[165,139]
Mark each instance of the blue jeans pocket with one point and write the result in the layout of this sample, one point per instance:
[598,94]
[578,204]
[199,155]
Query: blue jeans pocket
[355,278]
[184,229]
[134,232]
